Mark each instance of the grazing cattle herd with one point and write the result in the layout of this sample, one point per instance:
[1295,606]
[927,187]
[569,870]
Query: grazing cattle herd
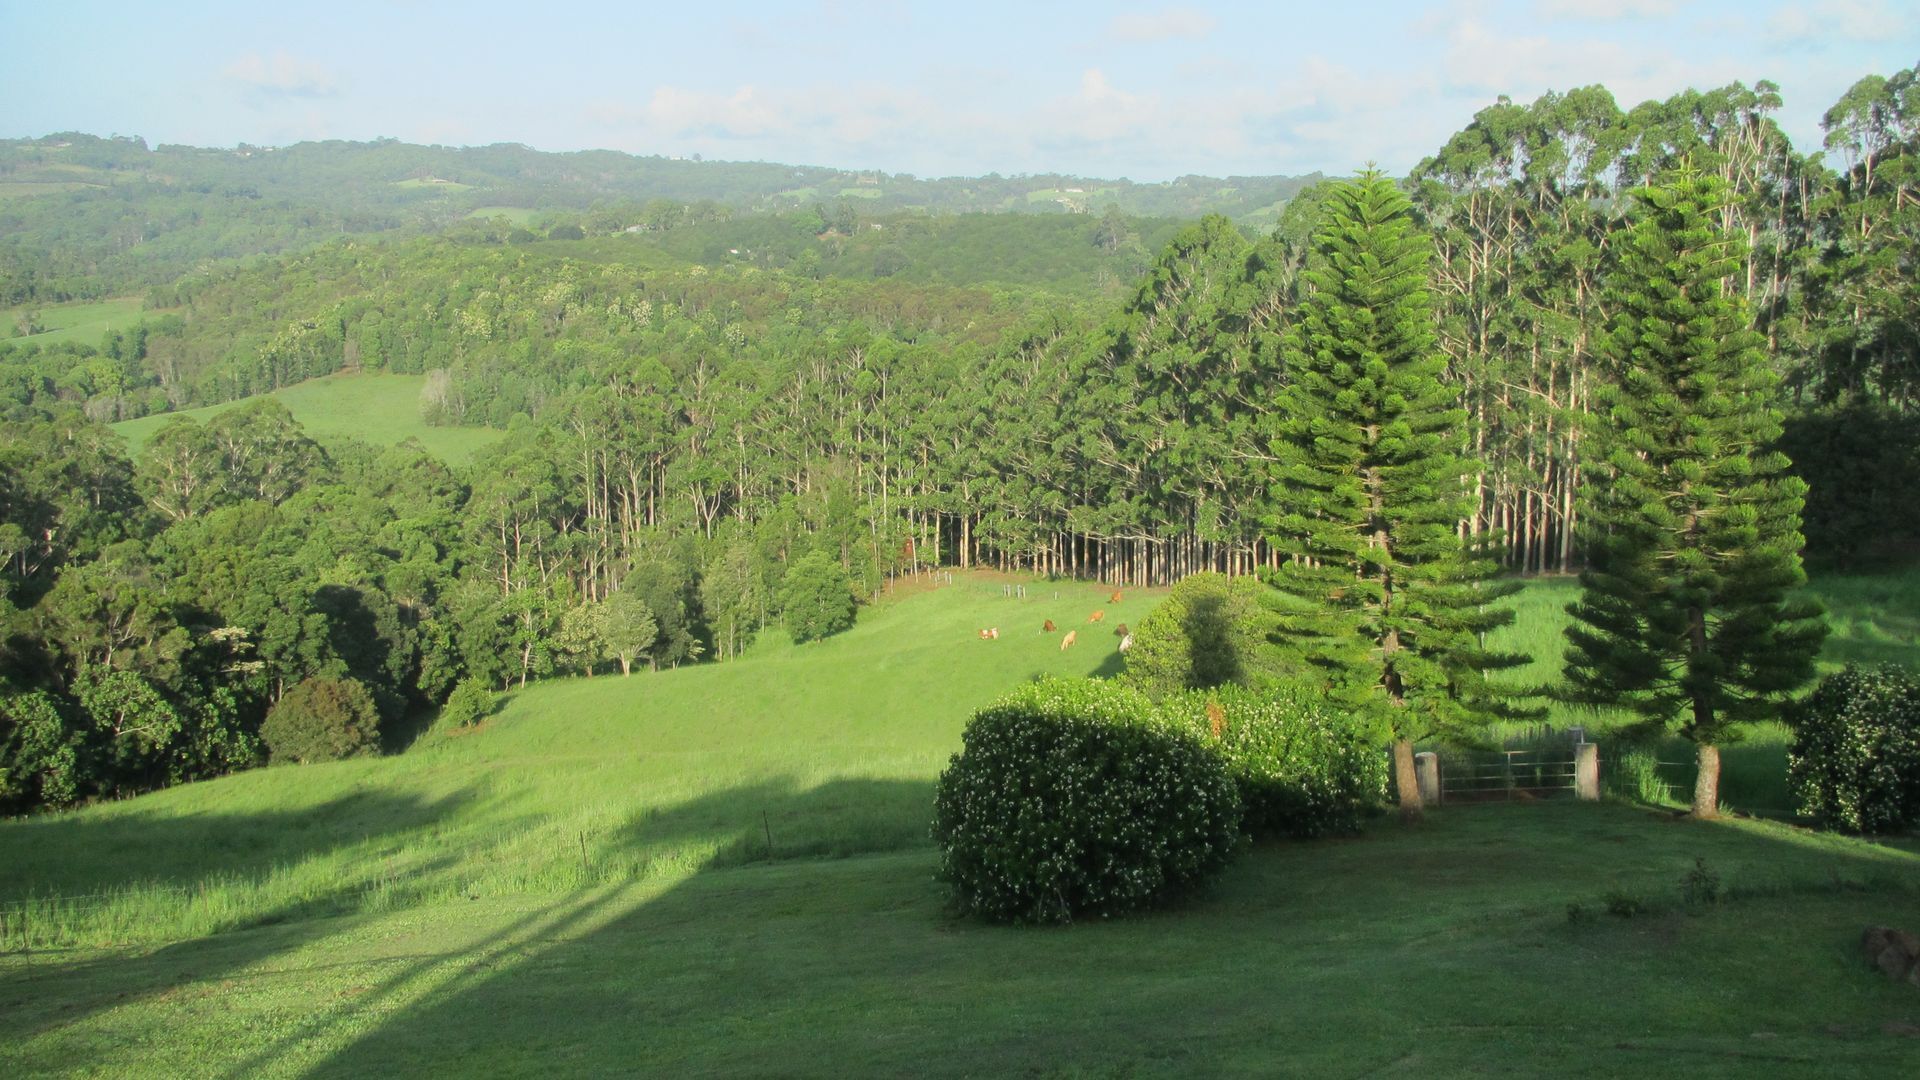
[1048,626]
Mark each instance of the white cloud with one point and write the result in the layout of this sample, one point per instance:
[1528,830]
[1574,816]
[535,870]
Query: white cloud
[1483,61]
[743,114]
[1847,20]
[282,75]
[1607,10]
[1161,25]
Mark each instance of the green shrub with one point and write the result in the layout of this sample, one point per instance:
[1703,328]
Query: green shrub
[322,720]
[1069,800]
[1303,768]
[1635,775]
[818,597]
[471,702]
[1210,631]
[1855,758]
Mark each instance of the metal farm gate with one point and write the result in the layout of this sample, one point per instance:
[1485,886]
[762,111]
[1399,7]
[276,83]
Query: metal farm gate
[1543,765]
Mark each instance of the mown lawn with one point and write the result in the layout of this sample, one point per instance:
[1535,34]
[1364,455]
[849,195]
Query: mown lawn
[380,409]
[1441,950]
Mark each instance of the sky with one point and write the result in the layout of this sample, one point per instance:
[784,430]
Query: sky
[1147,92]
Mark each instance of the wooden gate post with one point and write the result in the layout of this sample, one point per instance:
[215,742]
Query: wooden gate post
[1586,771]
[1426,770]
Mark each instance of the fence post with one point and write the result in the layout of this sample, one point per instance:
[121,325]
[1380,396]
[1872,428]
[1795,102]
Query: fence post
[1586,771]
[1426,770]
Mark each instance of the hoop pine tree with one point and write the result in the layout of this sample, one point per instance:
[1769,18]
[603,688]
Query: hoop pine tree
[1690,522]
[1381,594]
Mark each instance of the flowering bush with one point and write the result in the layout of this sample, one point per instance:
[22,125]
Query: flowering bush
[1069,800]
[1855,758]
[1303,769]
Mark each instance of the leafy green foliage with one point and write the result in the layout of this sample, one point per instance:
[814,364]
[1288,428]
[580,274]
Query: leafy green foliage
[41,750]
[664,586]
[1858,461]
[471,702]
[322,720]
[1855,758]
[1068,801]
[1692,524]
[1304,769]
[1211,630]
[817,597]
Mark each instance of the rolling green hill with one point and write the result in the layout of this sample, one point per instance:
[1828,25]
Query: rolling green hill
[724,869]
[380,409]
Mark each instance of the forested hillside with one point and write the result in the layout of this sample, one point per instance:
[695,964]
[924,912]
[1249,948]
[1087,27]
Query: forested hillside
[693,406]
[86,217]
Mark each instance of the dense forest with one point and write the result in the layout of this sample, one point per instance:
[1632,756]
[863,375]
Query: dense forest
[697,395]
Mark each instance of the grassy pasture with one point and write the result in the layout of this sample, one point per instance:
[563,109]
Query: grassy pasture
[434,183]
[519,215]
[379,409]
[83,321]
[724,869]
[578,782]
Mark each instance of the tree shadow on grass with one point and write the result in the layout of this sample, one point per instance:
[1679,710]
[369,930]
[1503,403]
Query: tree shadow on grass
[1445,941]
[817,967]
[775,821]
[232,877]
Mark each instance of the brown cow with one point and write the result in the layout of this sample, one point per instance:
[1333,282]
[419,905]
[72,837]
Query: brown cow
[1115,598]
[1068,640]
[1121,630]
[1049,627]
[985,633]
[1096,616]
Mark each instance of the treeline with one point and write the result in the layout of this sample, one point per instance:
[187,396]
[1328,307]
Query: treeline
[153,616]
[1150,434]
[1528,204]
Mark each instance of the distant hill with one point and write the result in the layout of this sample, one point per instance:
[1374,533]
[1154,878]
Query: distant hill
[84,217]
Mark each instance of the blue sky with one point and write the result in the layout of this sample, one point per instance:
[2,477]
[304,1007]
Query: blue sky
[1150,92]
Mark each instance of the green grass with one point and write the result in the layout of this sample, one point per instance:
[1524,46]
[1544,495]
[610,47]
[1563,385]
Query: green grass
[860,193]
[1448,948]
[577,782]
[86,321]
[724,870]
[519,215]
[380,409]
[434,183]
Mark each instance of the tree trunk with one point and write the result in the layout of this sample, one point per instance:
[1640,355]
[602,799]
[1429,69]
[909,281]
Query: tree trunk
[1405,783]
[1706,787]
